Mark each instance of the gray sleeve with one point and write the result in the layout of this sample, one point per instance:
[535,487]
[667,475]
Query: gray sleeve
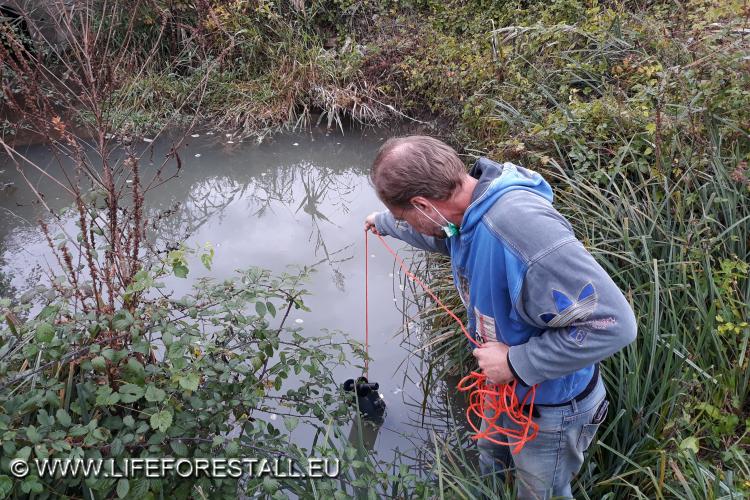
[385,223]
[585,316]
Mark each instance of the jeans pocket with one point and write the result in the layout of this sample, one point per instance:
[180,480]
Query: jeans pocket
[588,431]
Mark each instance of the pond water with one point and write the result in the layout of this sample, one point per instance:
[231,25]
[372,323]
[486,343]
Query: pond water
[296,199]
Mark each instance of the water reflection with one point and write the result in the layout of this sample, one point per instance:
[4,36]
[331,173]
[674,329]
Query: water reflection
[273,205]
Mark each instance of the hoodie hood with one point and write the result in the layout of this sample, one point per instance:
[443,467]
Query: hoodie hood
[496,179]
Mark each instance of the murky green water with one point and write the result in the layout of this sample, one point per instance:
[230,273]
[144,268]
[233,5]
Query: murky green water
[293,200]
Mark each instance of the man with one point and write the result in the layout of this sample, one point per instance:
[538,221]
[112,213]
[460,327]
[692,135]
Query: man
[545,311]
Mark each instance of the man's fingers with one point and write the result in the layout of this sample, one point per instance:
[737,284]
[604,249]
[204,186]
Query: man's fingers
[478,349]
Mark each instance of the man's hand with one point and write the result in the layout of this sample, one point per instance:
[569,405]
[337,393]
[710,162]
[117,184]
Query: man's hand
[493,360]
[370,223]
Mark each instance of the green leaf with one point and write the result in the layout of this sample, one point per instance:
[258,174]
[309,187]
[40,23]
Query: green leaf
[128,420]
[6,484]
[271,309]
[123,486]
[31,484]
[190,381]
[690,443]
[232,449]
[291,423]
[179,448]
[340,495]
[161,420]
[122,320]
[105,396]
[44,418]
[114,355]
[180,270]
[175,350]
[48,312]
[154,394]
[139,488]
[63,417]
[117,447]
[208,257]
[33,435]
[44,332]
[24,453]
[134,371]
[270,485]
[130,393]
[260,308]
[99,363]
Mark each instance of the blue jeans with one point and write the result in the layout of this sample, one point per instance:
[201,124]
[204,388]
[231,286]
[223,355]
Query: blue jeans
[546,465]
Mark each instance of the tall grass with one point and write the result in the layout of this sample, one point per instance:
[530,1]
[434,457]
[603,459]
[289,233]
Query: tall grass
[667,240]
[677,245]
[640,122]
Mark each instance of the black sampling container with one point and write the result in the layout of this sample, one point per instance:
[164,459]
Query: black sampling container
[369,402]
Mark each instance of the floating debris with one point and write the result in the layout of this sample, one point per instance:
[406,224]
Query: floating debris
[195,135]
[209,133]
[230,142]
[299,321]
[129,181]
[146,139]
[295,144]
[273,416]
[390,275]
[372,255]
[397,390]
[227,135]
[197,155]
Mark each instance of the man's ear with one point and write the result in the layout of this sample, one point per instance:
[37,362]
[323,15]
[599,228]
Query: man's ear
[421,202]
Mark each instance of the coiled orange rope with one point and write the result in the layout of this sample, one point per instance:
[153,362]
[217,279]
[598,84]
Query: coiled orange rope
[487,401]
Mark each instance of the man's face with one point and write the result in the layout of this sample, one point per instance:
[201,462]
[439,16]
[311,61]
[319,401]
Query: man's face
[417,221]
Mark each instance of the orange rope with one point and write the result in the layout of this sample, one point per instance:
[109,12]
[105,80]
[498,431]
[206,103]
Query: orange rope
[487,401]
[367,304]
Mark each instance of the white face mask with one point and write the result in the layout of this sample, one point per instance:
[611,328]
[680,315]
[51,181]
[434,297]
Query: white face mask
[449,228]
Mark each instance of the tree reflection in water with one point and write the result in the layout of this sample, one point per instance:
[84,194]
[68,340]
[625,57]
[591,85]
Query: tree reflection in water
[311,189]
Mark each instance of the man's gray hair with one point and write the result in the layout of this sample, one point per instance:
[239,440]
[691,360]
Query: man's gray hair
[415,165]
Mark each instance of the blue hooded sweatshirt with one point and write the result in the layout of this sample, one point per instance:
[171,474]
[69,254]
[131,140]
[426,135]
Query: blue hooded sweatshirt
[528,282]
